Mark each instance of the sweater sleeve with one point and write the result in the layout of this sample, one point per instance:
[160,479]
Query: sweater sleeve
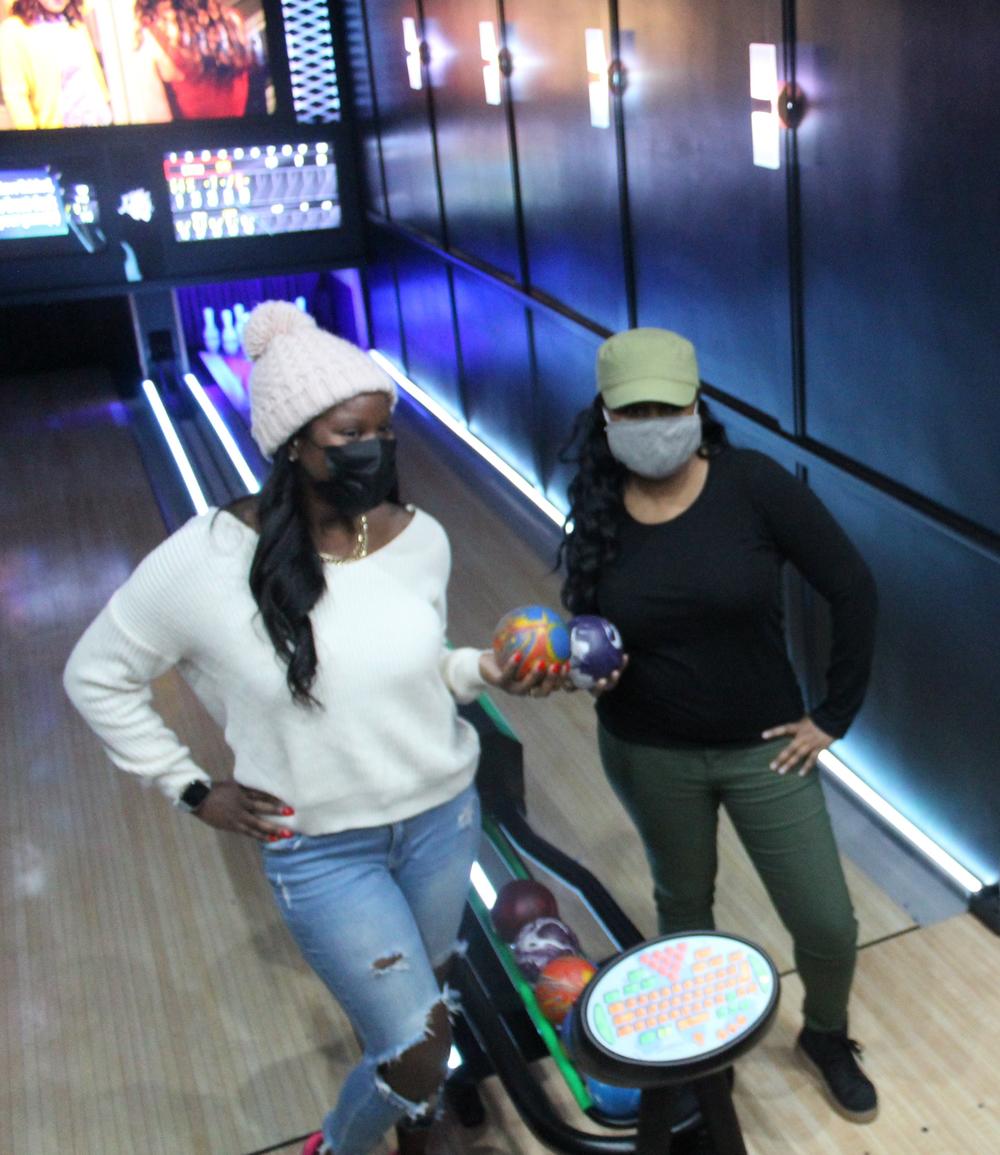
[811,539]
[141,633]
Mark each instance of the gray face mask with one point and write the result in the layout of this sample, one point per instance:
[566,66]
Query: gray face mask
[656,447]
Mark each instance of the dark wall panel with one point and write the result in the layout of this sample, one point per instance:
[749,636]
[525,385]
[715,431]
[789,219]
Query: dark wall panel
[923,738]
[710,227]
[428,326]
[496,370]
[565,359]
[383,304]
[568,168]
[472,138]
[407,143]
[900,221]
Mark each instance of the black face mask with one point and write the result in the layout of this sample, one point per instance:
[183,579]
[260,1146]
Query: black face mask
[362,475]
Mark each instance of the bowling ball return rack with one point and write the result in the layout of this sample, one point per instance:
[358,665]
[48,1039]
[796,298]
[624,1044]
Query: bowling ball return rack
[500,1030]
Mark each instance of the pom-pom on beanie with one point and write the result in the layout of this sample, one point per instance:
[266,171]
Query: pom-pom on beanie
[299,371]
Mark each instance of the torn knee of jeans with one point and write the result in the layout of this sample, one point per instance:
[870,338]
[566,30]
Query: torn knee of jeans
[393,962]
[422,1113]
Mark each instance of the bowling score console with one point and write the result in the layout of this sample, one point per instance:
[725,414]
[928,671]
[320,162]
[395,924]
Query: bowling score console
[252,172]
[668,1016]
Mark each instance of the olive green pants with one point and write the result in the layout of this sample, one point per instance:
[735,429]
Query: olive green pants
[673,797]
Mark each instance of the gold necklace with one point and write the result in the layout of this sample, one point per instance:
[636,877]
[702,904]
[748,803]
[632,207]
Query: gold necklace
[360,547]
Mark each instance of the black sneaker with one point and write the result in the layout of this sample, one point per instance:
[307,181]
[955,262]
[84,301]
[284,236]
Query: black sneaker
[831,1056]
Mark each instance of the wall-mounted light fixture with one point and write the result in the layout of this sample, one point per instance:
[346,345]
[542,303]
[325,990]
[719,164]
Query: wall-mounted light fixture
[490,51]
[411,43]
[765,127]
[597,67]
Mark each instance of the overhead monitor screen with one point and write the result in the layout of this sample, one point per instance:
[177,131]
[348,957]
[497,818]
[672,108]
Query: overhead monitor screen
[37,202]
[87,63]
[257,191]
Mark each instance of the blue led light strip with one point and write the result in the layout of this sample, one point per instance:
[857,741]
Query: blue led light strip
[900,823]
[521,484]
[233,451]
[174,445]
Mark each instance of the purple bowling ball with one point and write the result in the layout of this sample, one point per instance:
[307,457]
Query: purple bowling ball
[540,941]
[596,650]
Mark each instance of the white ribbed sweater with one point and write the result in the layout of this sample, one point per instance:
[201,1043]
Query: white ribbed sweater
[387,742]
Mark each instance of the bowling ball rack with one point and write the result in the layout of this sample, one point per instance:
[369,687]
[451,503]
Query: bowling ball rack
[500,1030]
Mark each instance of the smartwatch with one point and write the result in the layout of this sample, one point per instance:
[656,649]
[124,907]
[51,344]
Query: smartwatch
[194,794]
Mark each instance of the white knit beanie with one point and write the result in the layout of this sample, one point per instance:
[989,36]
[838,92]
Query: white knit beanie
[299,371]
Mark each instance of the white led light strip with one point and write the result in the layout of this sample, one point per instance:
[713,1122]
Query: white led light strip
[222,432]
[461,431]
[965,878]
[175,447]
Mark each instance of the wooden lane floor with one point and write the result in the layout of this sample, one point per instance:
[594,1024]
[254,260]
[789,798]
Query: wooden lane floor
[151,999]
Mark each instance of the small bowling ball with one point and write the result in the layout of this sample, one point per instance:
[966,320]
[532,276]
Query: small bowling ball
[541,940]
[618,1103]
[596,650]
[560,984]
[536,632]
[519,901]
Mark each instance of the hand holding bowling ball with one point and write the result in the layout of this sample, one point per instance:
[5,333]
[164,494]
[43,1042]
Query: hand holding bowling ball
[521,901]
[596,651]
[531,650]
[561,983]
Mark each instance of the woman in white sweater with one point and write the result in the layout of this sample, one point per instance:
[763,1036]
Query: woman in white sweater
[311,622]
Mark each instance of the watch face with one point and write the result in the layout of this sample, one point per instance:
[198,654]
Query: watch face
[195,794]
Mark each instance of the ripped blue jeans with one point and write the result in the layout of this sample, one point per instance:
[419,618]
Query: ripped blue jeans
[388,895]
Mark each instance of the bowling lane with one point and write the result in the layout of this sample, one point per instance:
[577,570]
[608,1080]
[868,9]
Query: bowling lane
[151,1000]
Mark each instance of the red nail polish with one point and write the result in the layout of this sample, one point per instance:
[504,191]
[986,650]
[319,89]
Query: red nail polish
[272,838]
[285,834]
[517,656]
[287,811]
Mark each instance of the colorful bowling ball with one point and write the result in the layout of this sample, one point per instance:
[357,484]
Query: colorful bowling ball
[596,650]
[537,633]
[560,984]
[540,941]
[519,901]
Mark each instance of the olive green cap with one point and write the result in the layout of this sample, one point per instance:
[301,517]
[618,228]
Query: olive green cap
[647,365]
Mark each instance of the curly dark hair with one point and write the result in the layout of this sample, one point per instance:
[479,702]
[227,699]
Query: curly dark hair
[32,12]
[590,534]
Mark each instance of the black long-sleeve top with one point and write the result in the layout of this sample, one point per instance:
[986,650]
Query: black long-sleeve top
[698,601]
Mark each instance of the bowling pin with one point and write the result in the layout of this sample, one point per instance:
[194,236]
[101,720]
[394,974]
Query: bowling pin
[230,341]
[210,333]
[239,322]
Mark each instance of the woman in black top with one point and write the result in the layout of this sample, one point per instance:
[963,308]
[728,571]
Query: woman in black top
[680,540]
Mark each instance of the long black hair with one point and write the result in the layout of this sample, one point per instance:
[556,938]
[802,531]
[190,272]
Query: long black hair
[286,575]
[590,534]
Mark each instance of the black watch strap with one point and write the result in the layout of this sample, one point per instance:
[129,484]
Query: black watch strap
[194,794]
